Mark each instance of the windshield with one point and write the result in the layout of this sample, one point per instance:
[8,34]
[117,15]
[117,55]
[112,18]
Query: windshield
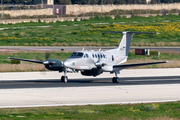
[77,55]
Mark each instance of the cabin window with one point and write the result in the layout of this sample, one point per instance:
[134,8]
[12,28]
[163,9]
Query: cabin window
[98,56]
[101,55]
[87,55]
[93,55]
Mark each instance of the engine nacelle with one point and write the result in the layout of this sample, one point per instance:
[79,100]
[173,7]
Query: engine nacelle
[93,72]
[54,65]
[107,68]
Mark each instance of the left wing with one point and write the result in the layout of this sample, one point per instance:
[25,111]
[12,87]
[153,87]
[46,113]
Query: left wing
[33,61]
[136,65]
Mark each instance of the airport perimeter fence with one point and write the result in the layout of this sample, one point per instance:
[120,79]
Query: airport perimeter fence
[48,13]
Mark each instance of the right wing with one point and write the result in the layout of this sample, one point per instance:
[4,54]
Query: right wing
[123,66]
[33,61]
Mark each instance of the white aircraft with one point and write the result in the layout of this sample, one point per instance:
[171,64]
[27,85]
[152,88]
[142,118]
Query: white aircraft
[94,63]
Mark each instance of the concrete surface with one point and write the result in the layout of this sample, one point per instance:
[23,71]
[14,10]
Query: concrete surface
[119,94]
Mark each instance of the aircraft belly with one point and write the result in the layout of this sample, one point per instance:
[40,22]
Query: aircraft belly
[117,69]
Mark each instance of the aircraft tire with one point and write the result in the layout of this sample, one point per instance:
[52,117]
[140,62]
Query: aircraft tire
[116,80]
[62,78]
[113,80]
[65,79]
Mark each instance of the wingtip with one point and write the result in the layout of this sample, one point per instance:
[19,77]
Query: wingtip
[169,61]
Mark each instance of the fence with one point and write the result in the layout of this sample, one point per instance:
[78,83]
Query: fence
[20,13]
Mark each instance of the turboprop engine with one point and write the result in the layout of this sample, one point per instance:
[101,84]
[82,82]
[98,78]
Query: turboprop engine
[107,68]
[55,65]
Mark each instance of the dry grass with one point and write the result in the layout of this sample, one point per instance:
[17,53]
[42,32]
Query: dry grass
[160,44]
[171,64]
[21,67]
[157,44]
[106,44]
[22,34]
[163,118]
[26,44]
[5,35]
[86,44]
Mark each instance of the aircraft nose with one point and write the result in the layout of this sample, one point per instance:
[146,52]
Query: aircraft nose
[66,64]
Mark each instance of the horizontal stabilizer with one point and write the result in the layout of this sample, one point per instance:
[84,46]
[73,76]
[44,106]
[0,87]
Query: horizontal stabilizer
[136,65]
[130,32]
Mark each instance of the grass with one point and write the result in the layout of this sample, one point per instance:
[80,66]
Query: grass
[90,32]
[5,64]
[151,111]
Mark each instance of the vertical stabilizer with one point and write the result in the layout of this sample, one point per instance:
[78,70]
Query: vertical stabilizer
[125,43]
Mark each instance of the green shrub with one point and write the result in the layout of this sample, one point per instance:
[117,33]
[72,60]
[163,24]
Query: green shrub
[117,17]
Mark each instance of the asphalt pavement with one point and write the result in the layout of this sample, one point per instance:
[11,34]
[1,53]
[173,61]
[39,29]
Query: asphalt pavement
[71,49]
[89,82]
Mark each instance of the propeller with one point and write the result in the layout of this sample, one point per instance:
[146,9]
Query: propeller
[52,64]
[99,64]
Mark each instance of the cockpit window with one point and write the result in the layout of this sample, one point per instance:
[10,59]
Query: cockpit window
[87,55]
[77,55]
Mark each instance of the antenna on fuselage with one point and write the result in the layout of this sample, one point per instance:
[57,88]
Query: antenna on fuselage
[99,49]
[83,49]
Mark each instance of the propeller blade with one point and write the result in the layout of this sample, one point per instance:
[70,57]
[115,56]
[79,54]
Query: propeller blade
[47,55]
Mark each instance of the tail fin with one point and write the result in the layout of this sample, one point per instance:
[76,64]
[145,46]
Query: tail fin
[125,43]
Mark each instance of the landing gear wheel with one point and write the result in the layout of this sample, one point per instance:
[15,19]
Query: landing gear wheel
[115,80]
[64,79]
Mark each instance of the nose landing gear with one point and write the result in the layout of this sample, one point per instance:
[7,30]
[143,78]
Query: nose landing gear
[64,78]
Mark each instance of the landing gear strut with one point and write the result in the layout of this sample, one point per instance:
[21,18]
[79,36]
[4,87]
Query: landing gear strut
[115,79]
[64,78]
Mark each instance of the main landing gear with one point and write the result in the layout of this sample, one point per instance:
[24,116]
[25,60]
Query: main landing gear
[64,78]
[115,79]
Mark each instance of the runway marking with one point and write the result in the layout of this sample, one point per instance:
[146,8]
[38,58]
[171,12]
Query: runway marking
[79,104]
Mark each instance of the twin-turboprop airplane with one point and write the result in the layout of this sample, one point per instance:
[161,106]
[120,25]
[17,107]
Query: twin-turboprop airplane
[94,63]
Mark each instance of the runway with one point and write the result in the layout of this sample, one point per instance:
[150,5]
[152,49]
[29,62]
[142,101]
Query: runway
[34,89]
[55,83]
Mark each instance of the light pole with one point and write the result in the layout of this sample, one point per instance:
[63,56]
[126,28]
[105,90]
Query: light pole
[101,7]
